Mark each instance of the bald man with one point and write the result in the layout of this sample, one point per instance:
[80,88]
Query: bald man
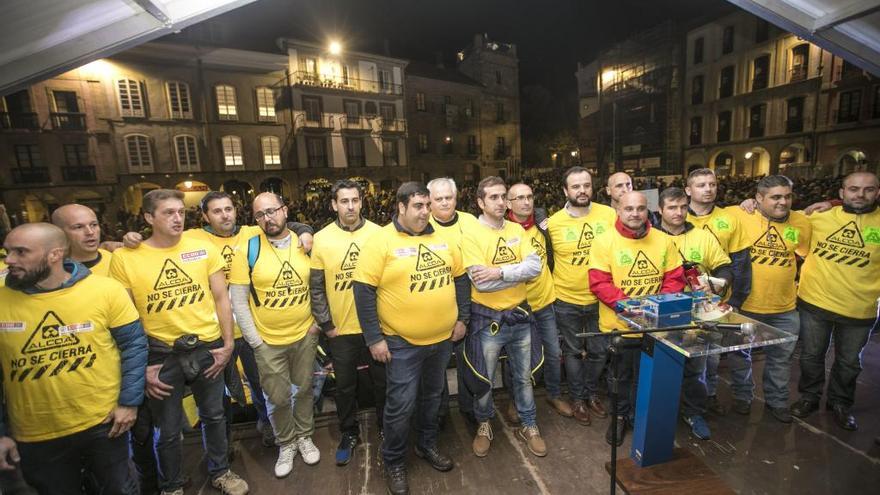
[619,183]
[76,371]
[81,226]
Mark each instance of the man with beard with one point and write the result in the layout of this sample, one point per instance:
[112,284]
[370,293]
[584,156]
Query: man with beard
[77,373]
[407,286]
[451,224]
[633,258]
[81,226]
[270,296]
[540,292]
[335,257]
[618,184]
[179,288]
[723,223]
[572,232]
[499,262]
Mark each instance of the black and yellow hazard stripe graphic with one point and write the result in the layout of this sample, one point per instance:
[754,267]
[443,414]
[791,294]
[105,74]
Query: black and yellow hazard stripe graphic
[343,286]
[283,302]
[640,291]
[772,261]
[579,260]
[175,302]
[37,372]
[843,259]
[432,284]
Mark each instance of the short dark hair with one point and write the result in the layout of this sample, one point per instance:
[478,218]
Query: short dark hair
[577,169]
[492,180]
[771,181]
[670,193]
[698,172]
[211,196]
[152,198]
[346,184]
[409,189]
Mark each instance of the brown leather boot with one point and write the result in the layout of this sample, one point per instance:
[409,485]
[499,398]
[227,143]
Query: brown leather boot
[561,406]
[580,412]
[595,406]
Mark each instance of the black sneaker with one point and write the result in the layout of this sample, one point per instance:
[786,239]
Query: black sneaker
[435,458]
[395,476]
[804,408]
[620,424]
[715,407]
[743,407]
[844,418]
[345,450]
[781,414]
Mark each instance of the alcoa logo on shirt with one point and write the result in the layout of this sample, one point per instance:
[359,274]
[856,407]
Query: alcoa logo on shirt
[192,256]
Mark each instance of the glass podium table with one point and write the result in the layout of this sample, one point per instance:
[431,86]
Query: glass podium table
[662,367]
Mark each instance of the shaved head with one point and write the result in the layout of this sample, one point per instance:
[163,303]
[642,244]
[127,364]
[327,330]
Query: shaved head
[80,225]
[35,252]
[618,184]
[64,215]
[42,235]
[632,209]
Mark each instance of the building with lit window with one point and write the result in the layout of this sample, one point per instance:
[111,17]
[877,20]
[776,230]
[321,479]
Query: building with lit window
[759,100]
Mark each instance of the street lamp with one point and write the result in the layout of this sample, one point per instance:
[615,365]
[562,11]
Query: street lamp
[335,48]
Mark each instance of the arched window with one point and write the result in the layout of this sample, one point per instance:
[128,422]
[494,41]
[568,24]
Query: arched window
[232,154]
[138,152]
[227,108]
[187,151]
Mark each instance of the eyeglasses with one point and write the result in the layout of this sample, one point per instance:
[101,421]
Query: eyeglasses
[266,213]
[523,197]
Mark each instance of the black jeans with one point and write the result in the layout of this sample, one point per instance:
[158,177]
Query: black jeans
[694,395]
[349,352]
[584,356]
[850,337]
[55,467]
[627,371]
[167,417]
[142,452]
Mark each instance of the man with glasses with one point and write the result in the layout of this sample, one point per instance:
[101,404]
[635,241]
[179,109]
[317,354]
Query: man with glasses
[269,284]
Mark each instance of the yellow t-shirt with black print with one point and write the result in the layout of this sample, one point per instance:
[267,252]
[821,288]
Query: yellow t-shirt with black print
[723,223]
[637,267]
[700,247]
[171,288]
[414,279]
[279,302]
[484,246]
[540,292]
[773,247]
[842,272]
[336,252]
[61,366]
[572,238]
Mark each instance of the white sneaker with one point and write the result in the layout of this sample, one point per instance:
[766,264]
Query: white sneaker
[311,455]
[284,464]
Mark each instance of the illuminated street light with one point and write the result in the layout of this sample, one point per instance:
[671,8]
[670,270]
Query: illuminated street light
[574,153]
[335,48]
[608,76]
[188,184]
[749,154]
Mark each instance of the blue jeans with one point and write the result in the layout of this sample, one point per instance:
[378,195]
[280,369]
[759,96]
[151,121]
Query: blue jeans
[414,372]
[777,362]
[584,357]
[552,368]
[517,340]
[850,337]
[168,414]
[56,466]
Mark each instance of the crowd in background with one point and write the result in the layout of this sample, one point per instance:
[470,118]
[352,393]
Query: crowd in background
[315,210]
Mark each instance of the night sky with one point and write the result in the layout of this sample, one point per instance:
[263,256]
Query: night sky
[551,35]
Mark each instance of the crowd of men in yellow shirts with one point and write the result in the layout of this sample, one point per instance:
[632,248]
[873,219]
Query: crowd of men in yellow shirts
[94,344]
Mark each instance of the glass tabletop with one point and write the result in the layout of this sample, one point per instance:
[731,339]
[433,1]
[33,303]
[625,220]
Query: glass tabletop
[704,341]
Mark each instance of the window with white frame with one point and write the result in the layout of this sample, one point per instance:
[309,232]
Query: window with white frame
[187,150]
[271,152]
[140,156]
[232,155]
[131,98]
[227,108]
[179,105]
[265,104]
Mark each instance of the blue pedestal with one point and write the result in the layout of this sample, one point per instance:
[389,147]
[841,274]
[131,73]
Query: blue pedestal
[659,387]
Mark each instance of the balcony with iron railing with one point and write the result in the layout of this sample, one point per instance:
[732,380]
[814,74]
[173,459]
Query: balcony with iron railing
[354,123]
[31,175]
[392,126]
[797,73]
[68,121]
[340,83]
[79,173]
[19,121]
[313,121]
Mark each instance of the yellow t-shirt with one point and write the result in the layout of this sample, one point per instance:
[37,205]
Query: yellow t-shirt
[414,280]
[336,251]
[540,292]
[227,247]
[636,265]
[3,271]
[773,248]
[572,238]
[482,245]
[102,267]
[453,233]
[842,272]
[702,248]
[723,223]
[171,288]
[282,310]
[61,366]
